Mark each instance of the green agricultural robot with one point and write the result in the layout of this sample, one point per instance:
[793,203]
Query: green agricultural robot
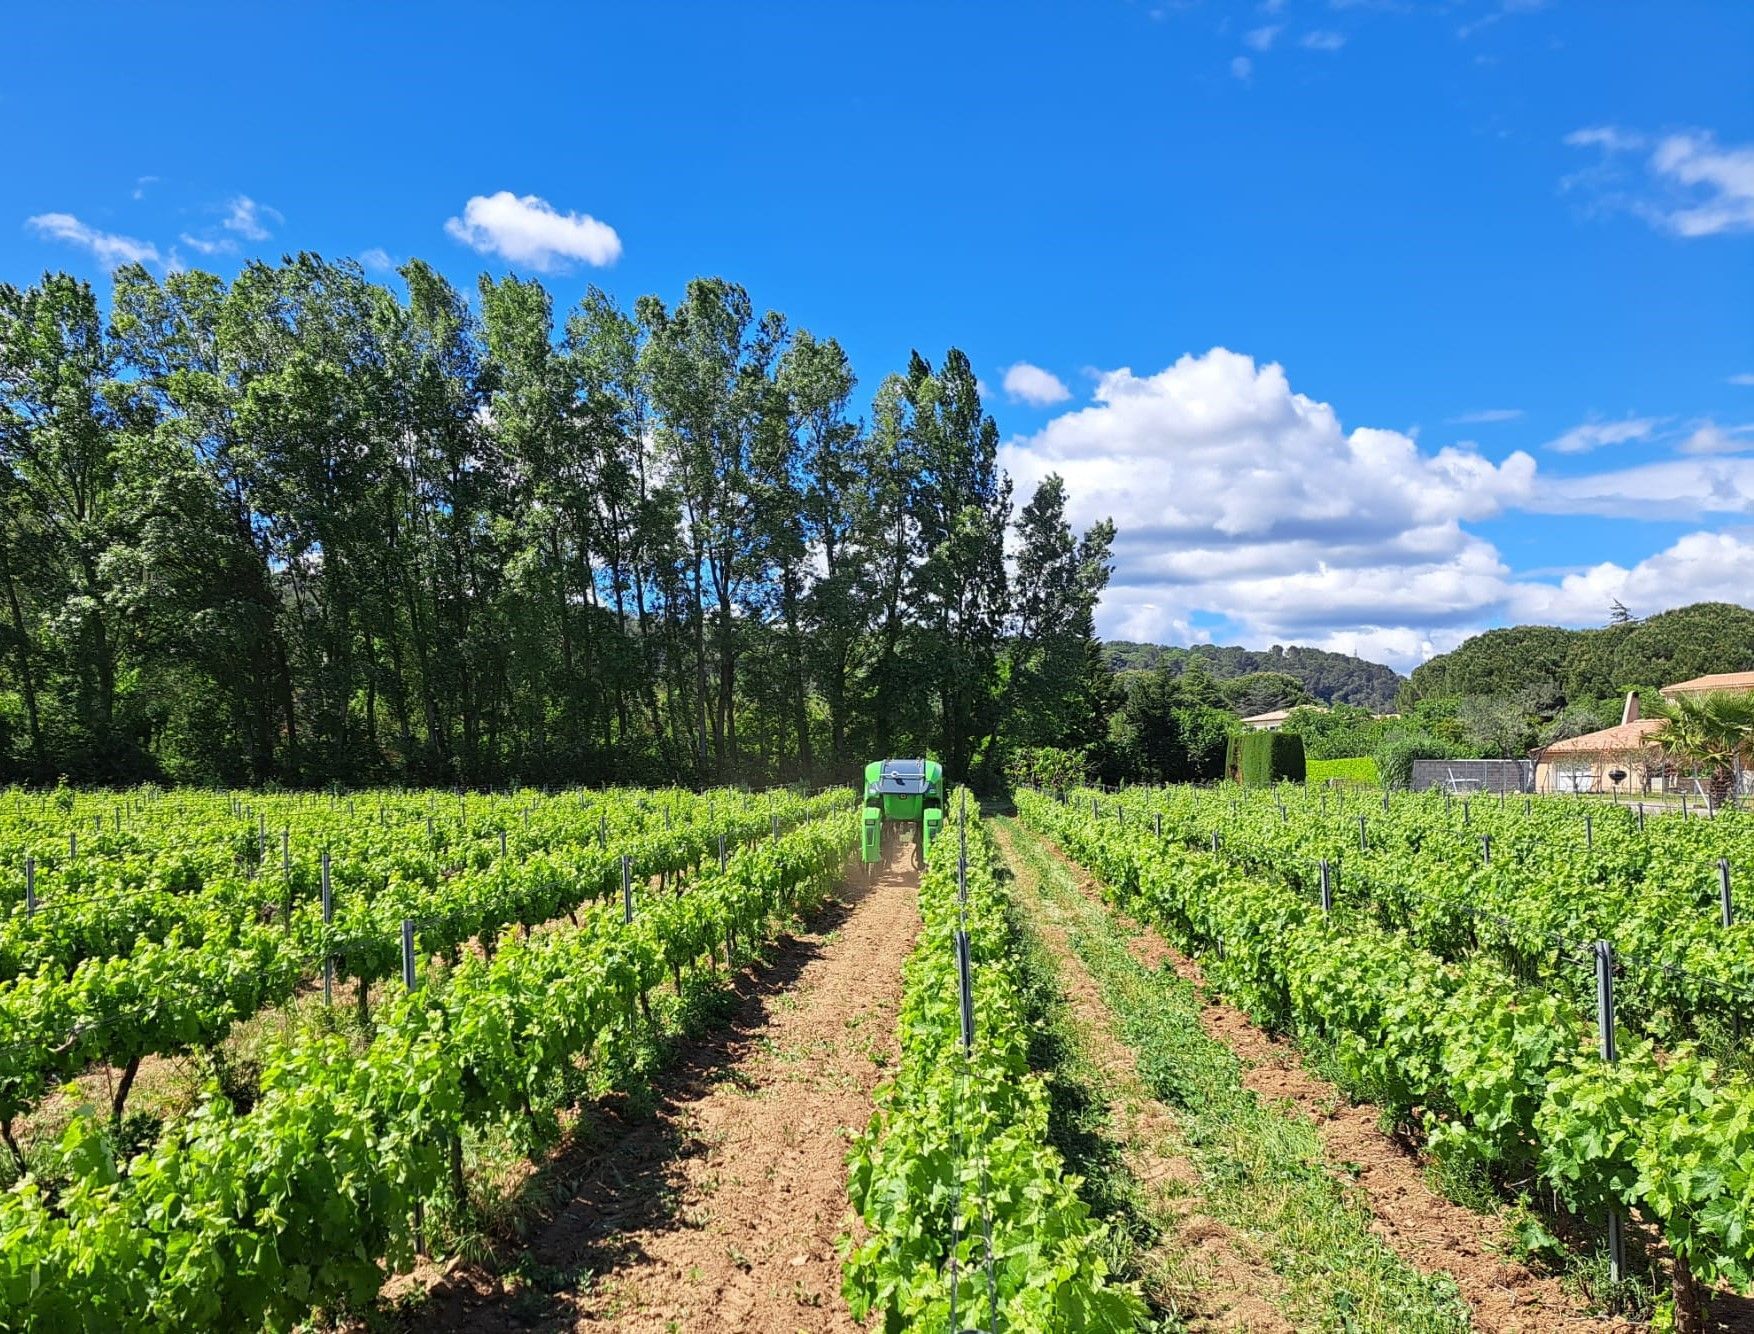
[902,792]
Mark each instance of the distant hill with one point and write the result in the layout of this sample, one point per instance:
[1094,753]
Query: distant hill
[1330,677]
[1578,665]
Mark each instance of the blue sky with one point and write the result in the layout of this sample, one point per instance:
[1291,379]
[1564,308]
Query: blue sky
[1371,322]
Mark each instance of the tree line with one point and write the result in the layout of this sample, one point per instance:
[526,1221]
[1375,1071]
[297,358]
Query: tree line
[302,527]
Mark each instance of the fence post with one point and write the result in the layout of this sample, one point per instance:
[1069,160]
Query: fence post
[73,840]
[1467,814]
[721,852]
[1486,849]
[1641,817]
[965,984]
[1723,885]
[328,916]
[602,829]
[1327,888]
[1363,839]
[1093,813]
[1589,831]
[1605,1032]
[626,888]
[408,953]
[30,886]
[502,843]
[1214,842]
[1160,824]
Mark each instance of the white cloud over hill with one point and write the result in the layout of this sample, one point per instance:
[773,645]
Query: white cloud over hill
[1236,496]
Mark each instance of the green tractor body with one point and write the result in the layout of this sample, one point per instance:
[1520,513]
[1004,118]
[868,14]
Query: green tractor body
[901,792]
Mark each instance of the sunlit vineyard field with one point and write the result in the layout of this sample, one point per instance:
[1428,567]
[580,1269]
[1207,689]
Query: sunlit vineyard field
[1555,994]
[437,966]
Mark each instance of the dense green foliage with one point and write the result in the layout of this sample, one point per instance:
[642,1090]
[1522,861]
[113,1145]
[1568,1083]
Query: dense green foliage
[1261,759]
[179,915]
[1563,666]
[1395,756]
[1330,677]
[958,1145]
[302,527]
[1169,728]
[1360,771]
[1496,1074]
[253,1215]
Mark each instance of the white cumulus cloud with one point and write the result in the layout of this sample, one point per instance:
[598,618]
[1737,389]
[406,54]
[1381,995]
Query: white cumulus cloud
[1237,497]
[377,259]
[1029,384]
[110,248]
[528,230]
[1699,567]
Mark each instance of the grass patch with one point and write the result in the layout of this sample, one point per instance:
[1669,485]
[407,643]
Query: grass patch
[1262,1171]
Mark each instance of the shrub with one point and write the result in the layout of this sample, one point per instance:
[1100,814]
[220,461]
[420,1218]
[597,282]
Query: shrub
[1394,758]
[1047,767]
[1260,759]
[1360,769]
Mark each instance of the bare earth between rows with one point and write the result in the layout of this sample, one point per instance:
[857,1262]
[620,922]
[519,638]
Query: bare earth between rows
[721,1211]
[1424,1228]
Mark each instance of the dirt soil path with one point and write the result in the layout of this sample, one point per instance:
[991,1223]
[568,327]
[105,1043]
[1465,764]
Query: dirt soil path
[1425,1229]
[721,1211]
[1210,1278]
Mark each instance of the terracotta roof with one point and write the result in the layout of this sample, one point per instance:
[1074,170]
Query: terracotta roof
[1625,737]
[1716,681]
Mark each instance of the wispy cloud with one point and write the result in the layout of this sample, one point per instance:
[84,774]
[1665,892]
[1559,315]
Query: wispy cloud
[1707,437]
[1481,415]
[110,248]
[142,184]
[1505,9]
[377,259]
[1589,435]
[245,217]
[219,245]
[528,230]
[1261,39]
[1322,39]
[1242,68]
[1691,185]
[1031,384]
[1744,378]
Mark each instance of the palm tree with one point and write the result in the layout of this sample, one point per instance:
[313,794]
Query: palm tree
[1712,731]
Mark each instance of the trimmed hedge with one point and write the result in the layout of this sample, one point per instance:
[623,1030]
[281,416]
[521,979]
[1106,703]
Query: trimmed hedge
[1260,759]
[1359,770]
